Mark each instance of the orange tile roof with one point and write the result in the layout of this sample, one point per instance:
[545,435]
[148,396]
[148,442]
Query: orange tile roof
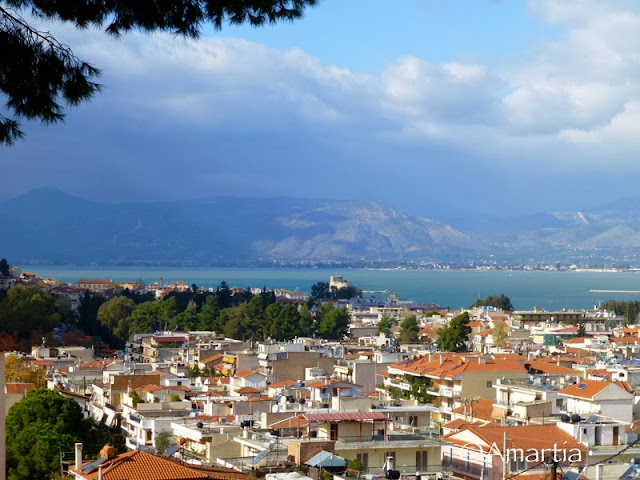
[21,388]
[248,390]
[575,340]
[454,364]
[627,340]
[291,422]
[154,388]
[527,437]
[285,383]
[482,408]
[262,398]
[212,358]
[141,465]
[551,368]
[590,388]
[246,373]
[485,333]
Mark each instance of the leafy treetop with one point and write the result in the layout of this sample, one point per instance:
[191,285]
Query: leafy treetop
[454,337]
[498,301]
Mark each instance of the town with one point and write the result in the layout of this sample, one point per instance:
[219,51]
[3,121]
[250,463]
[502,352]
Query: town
[324,384]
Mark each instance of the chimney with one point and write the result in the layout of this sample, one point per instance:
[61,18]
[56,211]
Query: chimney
[390,464]
[78,455]
[441,360]
[100,473]
[430,357]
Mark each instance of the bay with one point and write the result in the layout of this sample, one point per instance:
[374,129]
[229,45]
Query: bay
[448,288]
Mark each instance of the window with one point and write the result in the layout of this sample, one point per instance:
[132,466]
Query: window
[364,458]
[559,402]
[517,465]
[489,384]
[413,420]
[467,465]
[422,463]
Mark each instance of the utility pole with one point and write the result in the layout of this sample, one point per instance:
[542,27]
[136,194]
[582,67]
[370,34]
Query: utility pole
[554,467]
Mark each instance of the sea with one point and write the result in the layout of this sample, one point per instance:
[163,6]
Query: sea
[548,290]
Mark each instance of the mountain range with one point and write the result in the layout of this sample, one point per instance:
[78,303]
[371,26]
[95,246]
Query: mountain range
[48,226]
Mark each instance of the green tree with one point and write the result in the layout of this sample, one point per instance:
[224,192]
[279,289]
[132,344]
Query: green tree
[306,324]
[582,330]
[409,330]
[113,311]
[164,440]
[499,333]
[209,313]
[320,290]
[187,319]
[29,313]
[500,301]
[384,325]
[40,75]
[333,323]
[88,313]
[41,426]
[454,337]
[4,267]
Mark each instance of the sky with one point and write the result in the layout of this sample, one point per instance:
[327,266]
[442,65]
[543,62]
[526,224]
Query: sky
[440,108]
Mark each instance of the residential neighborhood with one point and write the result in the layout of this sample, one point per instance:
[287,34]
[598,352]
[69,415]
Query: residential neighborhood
[523,393]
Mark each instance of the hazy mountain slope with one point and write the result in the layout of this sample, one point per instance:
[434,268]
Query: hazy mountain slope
[49,226]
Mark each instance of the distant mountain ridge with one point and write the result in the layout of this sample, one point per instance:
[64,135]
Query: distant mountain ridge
[49,226]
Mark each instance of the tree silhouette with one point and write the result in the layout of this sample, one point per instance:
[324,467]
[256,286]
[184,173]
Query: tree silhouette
[39,75]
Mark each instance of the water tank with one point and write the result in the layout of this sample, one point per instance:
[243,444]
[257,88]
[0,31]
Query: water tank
[565,418]
[575,418]
[199,424]
[392,474]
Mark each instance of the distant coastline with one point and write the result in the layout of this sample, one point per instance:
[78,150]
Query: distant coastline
[454,288]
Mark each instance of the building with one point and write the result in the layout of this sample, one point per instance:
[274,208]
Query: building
[477,452]
[95,285]
[597,397]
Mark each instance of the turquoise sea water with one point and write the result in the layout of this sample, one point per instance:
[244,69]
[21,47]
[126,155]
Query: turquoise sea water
[455,289]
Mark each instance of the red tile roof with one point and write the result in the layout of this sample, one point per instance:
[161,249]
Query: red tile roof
[246,373]
[454,364]
[482,408]
[590,388]
[21,388]
[141,465]
[285,383]
[527,437]
[291,422]
[248,390]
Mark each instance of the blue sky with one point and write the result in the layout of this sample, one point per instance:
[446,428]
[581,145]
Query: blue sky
[440,108]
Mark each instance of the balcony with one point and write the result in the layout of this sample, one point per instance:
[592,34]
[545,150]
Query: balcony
[448,392]
[387,441]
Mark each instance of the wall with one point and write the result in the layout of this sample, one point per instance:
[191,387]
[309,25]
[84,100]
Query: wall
[304,450]
[293,367]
